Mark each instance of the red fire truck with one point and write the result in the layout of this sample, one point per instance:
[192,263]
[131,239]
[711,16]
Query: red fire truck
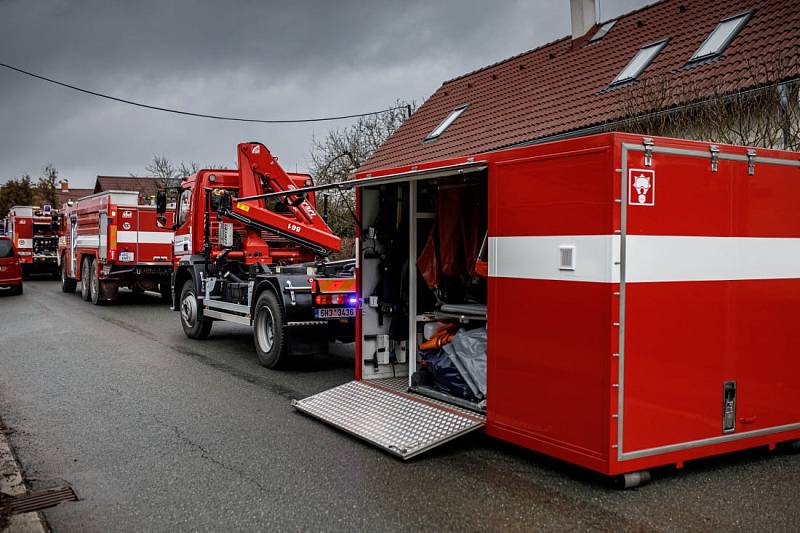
[34,231]
[614,301]
[242,259]
[108,241]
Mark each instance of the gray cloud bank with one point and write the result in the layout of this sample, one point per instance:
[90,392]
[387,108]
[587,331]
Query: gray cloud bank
[273,60]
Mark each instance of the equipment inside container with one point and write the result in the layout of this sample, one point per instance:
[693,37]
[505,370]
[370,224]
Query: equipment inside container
[423,257]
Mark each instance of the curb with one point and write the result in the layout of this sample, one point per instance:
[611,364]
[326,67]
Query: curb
[12,482]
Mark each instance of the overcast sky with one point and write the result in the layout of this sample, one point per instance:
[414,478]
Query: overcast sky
[257,59]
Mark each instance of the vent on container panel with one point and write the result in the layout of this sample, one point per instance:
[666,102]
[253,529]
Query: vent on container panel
[566,258]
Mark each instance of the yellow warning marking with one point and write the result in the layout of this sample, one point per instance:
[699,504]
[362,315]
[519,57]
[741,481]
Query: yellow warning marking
[243,207]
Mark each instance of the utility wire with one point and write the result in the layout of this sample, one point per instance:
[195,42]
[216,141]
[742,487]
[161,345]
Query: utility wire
[201,115]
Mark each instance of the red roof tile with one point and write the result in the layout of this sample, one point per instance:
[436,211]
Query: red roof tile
[146,187]
[564,86]
[71,194]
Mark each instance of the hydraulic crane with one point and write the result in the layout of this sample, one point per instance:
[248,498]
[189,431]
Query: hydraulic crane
[245,258]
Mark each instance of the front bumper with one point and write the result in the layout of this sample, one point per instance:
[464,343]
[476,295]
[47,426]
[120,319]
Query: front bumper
[10,282]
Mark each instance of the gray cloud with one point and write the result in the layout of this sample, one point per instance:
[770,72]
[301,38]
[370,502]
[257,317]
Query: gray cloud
[251,59]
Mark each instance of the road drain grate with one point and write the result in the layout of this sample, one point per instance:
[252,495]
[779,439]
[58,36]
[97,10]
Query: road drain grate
[43,499]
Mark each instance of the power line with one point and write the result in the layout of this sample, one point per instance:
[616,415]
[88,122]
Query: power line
[201,115]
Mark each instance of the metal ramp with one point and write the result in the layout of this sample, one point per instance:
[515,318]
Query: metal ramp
[401,423]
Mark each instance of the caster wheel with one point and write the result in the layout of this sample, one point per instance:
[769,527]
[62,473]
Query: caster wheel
[633,479]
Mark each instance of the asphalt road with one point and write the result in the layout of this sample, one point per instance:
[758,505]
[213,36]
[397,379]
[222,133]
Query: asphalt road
[161,433]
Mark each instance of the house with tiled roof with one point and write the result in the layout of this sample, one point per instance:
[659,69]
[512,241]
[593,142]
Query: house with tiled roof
[146,187]
[703,69]
[65,194]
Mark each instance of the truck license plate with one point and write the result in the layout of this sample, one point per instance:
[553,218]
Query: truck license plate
[126,257]
[335,312]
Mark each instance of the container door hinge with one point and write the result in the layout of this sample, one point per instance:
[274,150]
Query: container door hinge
[648,151]
[714,149]
[751,161]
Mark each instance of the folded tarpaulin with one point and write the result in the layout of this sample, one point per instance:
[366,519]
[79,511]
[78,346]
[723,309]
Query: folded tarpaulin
[445,374]
[467,351]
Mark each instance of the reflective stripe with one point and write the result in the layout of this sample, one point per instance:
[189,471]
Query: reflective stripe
[87,241]
[538,257]
[144,237]
[649,258]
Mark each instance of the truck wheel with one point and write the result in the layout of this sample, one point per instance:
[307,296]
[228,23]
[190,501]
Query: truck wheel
[85,279]
[268,331]
[18,289]
[194,324]
[67,284]
[94,284]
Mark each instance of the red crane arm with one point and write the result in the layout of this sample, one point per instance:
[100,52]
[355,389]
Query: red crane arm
[260,173]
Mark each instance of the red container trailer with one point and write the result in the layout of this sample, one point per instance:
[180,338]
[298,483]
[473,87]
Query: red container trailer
[639,302]
[109,241]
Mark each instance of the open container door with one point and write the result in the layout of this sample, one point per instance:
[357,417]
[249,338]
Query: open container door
[381,409]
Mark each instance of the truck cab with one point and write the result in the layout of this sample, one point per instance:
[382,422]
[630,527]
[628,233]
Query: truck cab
[258,261]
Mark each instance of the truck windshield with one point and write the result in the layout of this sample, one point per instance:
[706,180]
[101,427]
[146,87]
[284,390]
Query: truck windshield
[5,249]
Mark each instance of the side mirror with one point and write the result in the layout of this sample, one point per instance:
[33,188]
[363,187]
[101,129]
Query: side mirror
[161,203]
[325,206]
[161,221]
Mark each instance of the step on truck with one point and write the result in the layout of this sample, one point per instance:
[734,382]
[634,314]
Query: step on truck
[109,241]
[34,231]
[241,257]
[615,301]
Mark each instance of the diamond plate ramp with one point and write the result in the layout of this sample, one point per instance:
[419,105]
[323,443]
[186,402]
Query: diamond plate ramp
[397,422]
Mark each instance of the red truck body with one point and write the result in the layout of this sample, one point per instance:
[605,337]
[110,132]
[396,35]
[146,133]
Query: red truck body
[109,241]
[34,231]
[640,303]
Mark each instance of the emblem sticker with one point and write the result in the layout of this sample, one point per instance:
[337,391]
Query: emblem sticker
[642,187]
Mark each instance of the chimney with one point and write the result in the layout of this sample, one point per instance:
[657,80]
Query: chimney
[64,185]
[584,16]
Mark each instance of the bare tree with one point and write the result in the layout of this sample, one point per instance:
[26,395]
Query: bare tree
[336,157]
[45,189]
[163,169]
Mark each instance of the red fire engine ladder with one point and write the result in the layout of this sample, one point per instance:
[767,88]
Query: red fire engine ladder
[382,413]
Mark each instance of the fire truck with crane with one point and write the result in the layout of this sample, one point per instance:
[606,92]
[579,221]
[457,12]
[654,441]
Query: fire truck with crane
[34,231]
[243,259]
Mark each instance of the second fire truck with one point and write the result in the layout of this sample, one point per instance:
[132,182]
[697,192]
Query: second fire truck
[109,241]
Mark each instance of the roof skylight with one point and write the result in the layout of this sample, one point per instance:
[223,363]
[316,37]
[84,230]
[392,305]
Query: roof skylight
[721,37]
[640,61]
[601,32]
[446,122]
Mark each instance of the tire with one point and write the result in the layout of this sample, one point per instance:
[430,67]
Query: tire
[67,284]
[85,279]
[18,289]
[195,326]
[269,334]
[94,284]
